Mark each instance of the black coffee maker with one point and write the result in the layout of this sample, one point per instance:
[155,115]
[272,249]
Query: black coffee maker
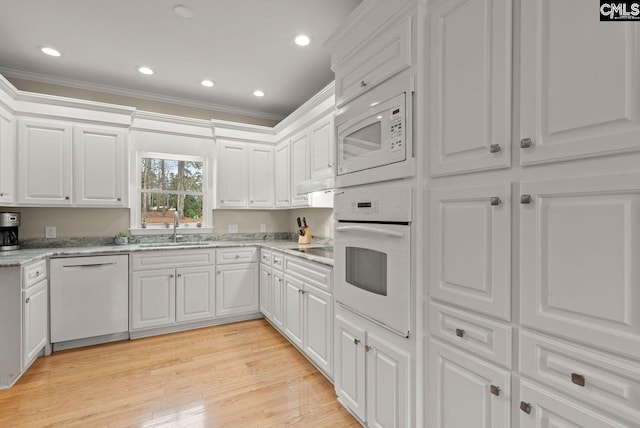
[9,223]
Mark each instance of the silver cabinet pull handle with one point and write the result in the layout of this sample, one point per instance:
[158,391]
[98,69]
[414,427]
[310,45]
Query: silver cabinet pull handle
[525,143]
[577,379]
[525,407]
[495,148]
[459,332]
[495,201]
[525,199]
[495,390]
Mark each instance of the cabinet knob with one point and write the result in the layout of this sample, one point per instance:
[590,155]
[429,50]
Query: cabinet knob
[525,143]
[251,202]
[268,274]
[28,300]
[367,348]
[1,195]
[459,332]
[237,256]
[525,407]
[179,275]
[171,276]
[495,148]
[495,390]
[119,199]
[525,199]
[356,341]
[363,84]
[495,201]
[218,272]
[577,379]
[222,201]
[66,198]
[38,273]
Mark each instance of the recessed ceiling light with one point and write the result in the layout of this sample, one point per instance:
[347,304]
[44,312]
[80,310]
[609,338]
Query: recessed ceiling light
[49,51]
[302,40]
[207,83]
[145,70]
[182,11]
[258,93]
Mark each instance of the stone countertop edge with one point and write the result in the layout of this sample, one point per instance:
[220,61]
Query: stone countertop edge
[22,257]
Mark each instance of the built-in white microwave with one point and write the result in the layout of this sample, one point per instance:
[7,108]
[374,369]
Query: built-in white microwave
[374,137]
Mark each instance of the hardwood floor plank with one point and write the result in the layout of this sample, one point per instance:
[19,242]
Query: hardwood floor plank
[237,375]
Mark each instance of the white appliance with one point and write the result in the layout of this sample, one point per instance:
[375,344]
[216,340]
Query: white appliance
[372,247]
[374,136]
[89,299]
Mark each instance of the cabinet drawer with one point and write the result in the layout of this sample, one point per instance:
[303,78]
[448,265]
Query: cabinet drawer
[177,258]
[482,336]
[266,257]
[277,260]
[597,377]
[237,255]
[309,272]
[387,54]
[34,273]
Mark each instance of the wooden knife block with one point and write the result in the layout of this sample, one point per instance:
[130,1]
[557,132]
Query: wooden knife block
[306,238]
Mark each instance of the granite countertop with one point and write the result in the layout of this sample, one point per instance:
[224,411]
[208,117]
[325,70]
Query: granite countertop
[21,257]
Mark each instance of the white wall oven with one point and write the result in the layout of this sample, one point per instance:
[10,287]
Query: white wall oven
[373,254]
[374,136]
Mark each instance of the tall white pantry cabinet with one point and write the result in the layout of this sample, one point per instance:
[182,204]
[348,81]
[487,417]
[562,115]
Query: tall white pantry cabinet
[532,181]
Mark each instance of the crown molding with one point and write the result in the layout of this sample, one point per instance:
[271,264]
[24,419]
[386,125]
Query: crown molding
[37,77]
[313,102]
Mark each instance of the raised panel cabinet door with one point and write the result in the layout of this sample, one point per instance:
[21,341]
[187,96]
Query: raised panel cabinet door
[283,175]
[153,298]
[293,310]
[233,178]
[350,365]
[261,178]
[299,168]
[44,162]
[278,300]
[542,408]
[565,111]
[195,293]
[388,383]
[35,324]
[100,166]
[237,289]
[318,325]
[266,291]
[466,391]
[471,235]
[579,252]
[7,158]
[470,86]
[322,144]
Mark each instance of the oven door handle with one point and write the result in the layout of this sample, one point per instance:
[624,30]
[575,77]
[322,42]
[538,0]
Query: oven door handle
[369,229]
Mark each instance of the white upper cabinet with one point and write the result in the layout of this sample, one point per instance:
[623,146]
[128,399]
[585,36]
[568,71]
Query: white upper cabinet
[283,175]
[470,88]
[299,168]
[232,175]
[261,178]
[470,246]
[579,252]
[44,162]
[322,143]
[100,166]
[580,83]
[7,158]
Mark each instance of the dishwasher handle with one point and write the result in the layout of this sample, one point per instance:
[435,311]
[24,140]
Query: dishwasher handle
[88,266]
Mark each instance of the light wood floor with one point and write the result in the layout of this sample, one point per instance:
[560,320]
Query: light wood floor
[237,375]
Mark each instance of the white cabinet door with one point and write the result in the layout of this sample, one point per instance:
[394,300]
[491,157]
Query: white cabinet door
[293,310]
[579,252]
[299,168]
[237,289]
[278,300]
[470,231]
[580,82]
[44,162]
[100,166]
[261,179]
[232,175]
[541,408]
[7,159]
[35,321]
[470,86]
[318,328]
[195,293]
[322,142]
[153,298]
[350,369]
[283,175]
[466,391]
[266,292]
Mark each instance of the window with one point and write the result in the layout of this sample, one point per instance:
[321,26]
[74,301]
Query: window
[170,184]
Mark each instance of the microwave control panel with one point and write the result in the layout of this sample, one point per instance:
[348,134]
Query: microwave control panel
[396,132]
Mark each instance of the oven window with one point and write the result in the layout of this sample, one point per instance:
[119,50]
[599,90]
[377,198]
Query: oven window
[363,140]
[367,270]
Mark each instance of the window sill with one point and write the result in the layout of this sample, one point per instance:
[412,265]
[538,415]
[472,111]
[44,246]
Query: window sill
[168,231]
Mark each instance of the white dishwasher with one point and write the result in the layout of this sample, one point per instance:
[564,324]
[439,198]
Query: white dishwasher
[89,300]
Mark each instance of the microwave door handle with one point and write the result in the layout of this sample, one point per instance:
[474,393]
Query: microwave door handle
[369,229]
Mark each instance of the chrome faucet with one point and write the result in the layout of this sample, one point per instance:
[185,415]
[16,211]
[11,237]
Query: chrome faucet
[176,223]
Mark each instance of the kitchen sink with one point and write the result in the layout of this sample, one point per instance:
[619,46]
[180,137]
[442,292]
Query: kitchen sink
[171,244]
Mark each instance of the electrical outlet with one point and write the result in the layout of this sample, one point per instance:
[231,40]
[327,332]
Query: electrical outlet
[233,228]
[50,232]
[263,227]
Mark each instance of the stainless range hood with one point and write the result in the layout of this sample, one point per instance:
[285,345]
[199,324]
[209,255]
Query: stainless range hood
[315,185]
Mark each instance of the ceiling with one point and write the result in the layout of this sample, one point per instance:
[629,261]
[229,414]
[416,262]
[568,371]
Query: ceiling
[241,45]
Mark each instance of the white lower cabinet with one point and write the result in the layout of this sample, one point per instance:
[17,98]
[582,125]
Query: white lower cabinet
[266,291]
[278,299]
[237,289]
[466,391]
[153,297]
[372,372]
[35,321]
[272,287]
[195,293]
[293,304]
